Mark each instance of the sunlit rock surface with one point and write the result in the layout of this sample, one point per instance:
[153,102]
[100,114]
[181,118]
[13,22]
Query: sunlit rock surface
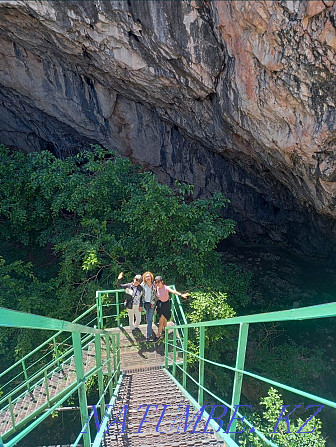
[231,96]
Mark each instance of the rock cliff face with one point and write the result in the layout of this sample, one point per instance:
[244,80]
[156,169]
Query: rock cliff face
[236,96]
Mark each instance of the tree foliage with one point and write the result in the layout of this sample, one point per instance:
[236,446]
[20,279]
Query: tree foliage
[290,363]
[206,306]
[101,214]
[267,422]
[69,226]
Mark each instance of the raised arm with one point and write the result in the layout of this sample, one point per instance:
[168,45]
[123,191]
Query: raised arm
[120,277]
[175,292]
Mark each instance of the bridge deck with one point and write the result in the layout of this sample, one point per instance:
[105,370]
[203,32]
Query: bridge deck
[154,387]
[146,383]
[136,353]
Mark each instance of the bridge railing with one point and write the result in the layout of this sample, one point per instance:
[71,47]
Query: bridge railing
[180,369]
[81,336]
[52,352]
[37,367]
[110,304]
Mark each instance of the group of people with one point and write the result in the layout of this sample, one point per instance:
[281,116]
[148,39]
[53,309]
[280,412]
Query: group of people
[145,292]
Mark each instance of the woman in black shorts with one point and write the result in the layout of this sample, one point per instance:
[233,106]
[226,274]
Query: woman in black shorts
[163,303]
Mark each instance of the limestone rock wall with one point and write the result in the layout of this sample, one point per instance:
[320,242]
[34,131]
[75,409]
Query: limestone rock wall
[236,96]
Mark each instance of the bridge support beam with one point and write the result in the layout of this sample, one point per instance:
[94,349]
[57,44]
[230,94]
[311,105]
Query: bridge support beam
[109,367]
[118,310]
[100,318]
[114,354]
[174,352]
[118,353]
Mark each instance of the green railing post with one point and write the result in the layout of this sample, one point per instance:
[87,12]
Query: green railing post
[174,352]
[114,355]
[178,305]
[173,308]
[100,318]
[46,386]
[166,348]
[1,442]
[77,345]
[25,374]
[109,367]
[100,374]
[185,357]
[118,353]
[238,377]
[201,365]
[118,311]
[11,412]
[97,306]
[56,353]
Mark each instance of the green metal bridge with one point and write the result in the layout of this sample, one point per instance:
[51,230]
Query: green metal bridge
[131,373]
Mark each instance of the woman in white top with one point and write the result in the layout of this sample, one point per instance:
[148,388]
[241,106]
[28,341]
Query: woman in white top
[149,300]
[133,299]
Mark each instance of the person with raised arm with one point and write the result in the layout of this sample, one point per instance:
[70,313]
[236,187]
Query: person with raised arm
[163,303]
[133,299]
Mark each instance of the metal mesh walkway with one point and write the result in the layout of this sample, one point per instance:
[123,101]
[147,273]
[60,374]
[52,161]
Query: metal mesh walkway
[136,353]
[145,382]
[153,387]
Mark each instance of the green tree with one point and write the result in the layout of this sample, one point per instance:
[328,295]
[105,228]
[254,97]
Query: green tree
[206,306]
[75,223]
[20,289]
[288,362]
[101,214]
[267,423]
